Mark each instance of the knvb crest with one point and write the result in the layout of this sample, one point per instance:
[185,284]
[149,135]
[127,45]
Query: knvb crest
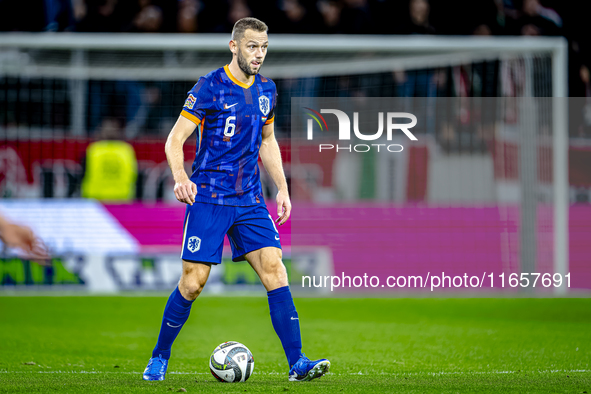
[264,105]
[194,244]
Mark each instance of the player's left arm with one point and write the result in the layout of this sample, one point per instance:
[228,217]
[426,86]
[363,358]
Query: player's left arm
[271,157]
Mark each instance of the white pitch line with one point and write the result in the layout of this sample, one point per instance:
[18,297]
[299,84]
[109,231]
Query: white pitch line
[330,373]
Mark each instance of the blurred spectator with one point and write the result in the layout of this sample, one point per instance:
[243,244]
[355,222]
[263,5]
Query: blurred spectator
[110,166]
[536,20]
[418,23]
[149,19]
[331,15]
[489,18]
[187,16]
[482,30]
[79,9]
[238,10]
[58,15]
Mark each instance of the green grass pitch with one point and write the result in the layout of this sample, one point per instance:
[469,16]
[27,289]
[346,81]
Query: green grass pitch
[102,344]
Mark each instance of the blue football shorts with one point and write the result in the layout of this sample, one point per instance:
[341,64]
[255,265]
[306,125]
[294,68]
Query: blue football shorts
[248,229]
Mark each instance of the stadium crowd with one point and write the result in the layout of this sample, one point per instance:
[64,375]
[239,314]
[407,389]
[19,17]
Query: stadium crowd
[459,17]
[442,17]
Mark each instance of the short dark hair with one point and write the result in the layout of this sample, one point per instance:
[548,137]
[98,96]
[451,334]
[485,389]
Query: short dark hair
[247,23]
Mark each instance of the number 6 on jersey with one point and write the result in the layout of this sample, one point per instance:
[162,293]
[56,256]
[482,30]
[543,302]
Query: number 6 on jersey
[230,125]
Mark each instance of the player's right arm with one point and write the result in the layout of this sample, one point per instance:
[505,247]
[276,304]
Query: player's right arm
[184,189]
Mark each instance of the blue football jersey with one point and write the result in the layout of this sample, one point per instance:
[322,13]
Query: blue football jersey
[230,117]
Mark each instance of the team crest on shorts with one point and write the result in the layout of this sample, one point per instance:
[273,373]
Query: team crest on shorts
[264,105]
[190,102]
[194,244]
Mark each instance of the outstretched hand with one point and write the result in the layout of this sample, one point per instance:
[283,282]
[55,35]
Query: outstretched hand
[185,191]
[283,207]
[23,238]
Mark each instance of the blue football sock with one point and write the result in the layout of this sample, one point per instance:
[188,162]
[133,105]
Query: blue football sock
[176,313]
[286,322]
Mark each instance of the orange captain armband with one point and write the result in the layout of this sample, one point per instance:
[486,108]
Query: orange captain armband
[269,121]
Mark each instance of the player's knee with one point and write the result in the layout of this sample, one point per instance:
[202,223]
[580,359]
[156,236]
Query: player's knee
[191,290]
[191,286]
[195,289]
[193,279]
[273,268]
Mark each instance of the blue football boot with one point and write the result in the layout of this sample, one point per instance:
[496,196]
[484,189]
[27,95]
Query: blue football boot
[305,369]
[156,369]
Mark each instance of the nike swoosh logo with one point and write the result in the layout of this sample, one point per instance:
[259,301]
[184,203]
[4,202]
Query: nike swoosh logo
[277,237]
[295,318]
[226,106]
[170,325]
